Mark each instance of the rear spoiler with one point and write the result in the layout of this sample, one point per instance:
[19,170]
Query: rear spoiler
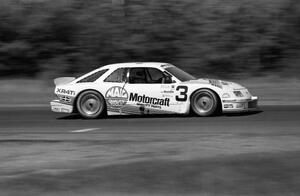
[63,80]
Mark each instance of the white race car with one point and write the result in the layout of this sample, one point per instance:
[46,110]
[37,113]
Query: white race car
[147,88]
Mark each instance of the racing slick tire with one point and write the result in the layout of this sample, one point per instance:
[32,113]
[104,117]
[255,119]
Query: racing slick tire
[91,104]
[204,102]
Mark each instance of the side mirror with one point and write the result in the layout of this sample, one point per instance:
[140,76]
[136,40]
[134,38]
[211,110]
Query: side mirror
[167,79]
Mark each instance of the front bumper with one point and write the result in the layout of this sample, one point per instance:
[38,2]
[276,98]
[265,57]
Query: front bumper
[240,105]
[57,106]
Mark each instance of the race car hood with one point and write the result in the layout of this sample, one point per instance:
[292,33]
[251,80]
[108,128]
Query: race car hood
[232,85]
[63,80]
[214,82]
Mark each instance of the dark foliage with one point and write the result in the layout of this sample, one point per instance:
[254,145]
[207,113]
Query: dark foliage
[219,38]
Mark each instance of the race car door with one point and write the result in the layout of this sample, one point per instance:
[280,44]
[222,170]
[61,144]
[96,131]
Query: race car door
[148,92]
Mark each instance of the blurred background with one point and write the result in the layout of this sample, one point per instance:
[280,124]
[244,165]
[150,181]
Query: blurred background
[254,41]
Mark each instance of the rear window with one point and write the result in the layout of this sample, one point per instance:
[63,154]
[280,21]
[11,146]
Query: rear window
[118,76]
[93,77]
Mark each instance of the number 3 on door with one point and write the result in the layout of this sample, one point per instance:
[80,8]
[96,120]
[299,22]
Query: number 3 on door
[183,93]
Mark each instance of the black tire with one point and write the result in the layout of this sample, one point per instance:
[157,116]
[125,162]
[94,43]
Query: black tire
[204,102]
[91,104]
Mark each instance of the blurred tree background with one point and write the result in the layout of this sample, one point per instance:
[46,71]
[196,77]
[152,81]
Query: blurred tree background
[219,38]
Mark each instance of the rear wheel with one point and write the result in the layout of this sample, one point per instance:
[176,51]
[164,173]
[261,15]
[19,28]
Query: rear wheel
[90,104]
[204,102]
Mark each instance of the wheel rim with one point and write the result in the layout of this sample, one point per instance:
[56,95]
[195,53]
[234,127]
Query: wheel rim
[90,104]
[203,102]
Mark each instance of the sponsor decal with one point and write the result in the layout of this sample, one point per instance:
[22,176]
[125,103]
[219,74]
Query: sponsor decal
[55,109]
[65,110]
[165,86]
[149,100]
[167,91]
[116,97]
[64,91]
[65,99]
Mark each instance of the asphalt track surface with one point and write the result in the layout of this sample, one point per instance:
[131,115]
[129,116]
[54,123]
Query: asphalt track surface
[42,121]
[45,153]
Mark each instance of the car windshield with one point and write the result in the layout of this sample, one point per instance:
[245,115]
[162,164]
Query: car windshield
[180,74]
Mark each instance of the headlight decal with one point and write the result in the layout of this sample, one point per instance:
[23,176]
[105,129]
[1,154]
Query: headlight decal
[238,93]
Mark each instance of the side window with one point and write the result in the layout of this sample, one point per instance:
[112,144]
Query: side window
[118,75]
[154,76]
[93,77]
[137,76]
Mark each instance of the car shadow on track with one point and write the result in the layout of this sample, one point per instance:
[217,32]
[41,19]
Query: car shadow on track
[77,116]
[243,113]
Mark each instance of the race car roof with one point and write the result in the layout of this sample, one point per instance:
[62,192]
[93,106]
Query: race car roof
[135,64]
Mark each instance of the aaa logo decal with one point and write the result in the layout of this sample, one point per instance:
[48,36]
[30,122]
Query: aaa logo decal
[116,97]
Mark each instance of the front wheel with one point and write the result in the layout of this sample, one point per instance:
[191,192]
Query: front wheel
[90,104]
[204,102]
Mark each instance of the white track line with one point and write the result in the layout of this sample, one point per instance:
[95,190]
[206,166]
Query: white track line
[24,105]
[83,130]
